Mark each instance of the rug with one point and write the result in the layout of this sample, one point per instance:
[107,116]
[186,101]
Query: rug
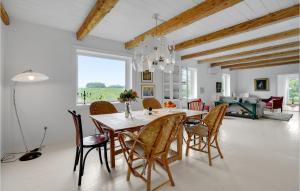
[278,116]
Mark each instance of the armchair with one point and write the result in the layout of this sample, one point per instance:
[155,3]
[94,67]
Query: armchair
[273,102]
[208,130]
[151,144]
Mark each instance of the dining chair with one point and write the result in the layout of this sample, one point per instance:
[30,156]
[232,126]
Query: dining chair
[197,104]
[151,145]
[90,142]
[207,132]
[99,108]
[151,102]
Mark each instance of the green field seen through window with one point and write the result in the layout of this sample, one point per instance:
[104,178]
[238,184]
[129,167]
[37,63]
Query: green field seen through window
[95,94]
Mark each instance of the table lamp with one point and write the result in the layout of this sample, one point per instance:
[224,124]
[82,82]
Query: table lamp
[27,76]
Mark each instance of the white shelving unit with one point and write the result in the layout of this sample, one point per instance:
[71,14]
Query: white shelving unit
[172,85]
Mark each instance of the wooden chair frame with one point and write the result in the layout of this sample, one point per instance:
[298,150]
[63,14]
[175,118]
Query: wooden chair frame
[80,146]
[210,139]
[151,102]
[101,107]
[131,155]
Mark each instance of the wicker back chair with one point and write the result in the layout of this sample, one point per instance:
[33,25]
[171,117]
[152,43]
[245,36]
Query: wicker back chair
[151,144]
[101,107]
[207,129]
[151,102]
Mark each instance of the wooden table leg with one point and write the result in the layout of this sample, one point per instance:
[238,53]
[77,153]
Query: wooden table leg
[112,147]
[179,143]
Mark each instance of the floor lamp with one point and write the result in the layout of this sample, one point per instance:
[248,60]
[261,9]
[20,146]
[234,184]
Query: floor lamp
[27,77]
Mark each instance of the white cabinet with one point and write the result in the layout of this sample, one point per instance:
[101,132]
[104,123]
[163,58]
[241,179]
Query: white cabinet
[172,85]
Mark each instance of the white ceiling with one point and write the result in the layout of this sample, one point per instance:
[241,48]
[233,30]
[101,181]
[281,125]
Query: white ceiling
[129,18]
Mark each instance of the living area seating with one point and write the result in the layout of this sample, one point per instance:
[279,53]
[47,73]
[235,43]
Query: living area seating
[274,102]
[90,142]
[151,145]
[248,107]
[208,129]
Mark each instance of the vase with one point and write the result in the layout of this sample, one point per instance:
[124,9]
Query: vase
[127,109]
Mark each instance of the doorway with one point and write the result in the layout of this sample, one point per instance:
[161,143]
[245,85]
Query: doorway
[288,87]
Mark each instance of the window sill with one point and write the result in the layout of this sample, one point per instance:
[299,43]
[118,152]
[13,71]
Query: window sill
[81,105]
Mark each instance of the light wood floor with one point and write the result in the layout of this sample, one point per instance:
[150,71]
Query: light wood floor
[259,155]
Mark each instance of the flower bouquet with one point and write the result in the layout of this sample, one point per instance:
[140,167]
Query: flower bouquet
[127,97]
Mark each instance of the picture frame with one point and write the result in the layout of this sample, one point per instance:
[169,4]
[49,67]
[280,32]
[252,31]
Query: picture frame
[218,87]
[147,76]
[147,91]
[261,84]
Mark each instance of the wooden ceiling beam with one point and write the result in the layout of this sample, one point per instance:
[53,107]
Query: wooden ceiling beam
[98,12]
[250,52]
[266,65]
[264,39]
[185,18]
[4,15]
[271,18]
[262,62]
[255,58]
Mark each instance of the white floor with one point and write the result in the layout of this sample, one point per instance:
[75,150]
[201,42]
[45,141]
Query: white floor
[259,155]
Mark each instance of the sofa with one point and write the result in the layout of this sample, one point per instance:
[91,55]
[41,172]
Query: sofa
[274,102]
[238,106]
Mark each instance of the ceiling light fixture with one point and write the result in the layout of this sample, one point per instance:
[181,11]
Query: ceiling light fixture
[154,52]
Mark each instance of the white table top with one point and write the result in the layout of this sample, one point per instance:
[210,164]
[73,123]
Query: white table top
[117,121]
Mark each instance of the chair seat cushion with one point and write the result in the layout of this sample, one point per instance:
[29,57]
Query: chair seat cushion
[138,149]
[200,130]
[94,140]
[269,104]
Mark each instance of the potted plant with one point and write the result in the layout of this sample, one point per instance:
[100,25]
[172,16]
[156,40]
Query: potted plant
[127,97]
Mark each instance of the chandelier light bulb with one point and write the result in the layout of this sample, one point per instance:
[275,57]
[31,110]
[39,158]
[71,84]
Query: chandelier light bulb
[154,52]
[31,78]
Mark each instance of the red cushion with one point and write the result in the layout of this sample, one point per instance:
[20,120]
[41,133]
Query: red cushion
[269,104]
[94,140]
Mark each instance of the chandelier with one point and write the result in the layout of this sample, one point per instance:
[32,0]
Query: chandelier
[154,52]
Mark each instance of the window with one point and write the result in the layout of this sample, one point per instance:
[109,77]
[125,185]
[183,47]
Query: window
[293,91]
[226,84]
[189,83]
[100,77]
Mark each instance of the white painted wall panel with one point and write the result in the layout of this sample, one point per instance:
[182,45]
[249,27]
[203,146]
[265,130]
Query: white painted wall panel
[246,79]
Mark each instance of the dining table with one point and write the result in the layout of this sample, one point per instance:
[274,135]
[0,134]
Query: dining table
[115,123]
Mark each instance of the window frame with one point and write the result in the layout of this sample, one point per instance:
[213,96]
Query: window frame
[226,84]
[106,55]
[193,82]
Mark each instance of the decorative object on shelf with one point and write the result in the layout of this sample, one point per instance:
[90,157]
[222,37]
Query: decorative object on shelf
[154,52]
[261,84]
[127,97]
[85,95]
[148,91]
[27,76]
[218,87]
[147,76]
[169,104]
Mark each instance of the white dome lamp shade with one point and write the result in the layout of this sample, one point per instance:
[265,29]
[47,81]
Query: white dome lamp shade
[29,76]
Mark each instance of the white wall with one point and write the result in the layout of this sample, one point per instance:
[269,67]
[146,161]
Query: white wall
[1,99]
[246,79]
[208,81]
[48,51]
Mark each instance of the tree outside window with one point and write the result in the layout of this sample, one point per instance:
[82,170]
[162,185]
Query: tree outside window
[293,91]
